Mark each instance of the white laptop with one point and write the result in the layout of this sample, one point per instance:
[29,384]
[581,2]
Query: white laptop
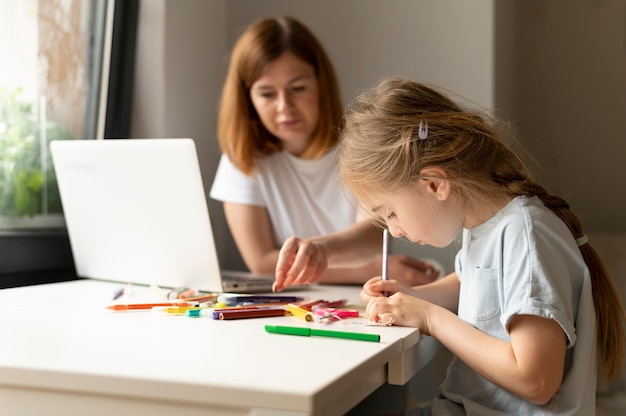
[136,212]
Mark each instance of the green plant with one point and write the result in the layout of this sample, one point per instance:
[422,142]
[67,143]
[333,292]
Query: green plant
[23,182]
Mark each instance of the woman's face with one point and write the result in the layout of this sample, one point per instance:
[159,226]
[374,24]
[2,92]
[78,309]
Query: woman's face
[286,98]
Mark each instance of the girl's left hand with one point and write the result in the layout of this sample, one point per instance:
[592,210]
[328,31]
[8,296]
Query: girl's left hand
[400,309]
[376,287]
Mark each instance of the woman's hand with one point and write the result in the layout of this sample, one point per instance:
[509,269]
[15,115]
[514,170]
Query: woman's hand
[409,270]
[299,262]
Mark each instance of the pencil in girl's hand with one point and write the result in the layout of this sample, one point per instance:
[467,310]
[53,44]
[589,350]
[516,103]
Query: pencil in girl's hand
[385,255]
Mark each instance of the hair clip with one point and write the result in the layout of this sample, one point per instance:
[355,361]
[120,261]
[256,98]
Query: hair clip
[581,241]
[423,131]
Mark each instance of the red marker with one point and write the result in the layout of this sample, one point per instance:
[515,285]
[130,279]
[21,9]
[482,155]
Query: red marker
[248,313]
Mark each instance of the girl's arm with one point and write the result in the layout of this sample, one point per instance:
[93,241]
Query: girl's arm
[443,292]
[530,365]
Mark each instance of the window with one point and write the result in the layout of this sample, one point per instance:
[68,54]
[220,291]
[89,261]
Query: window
[53,68]
[49,89]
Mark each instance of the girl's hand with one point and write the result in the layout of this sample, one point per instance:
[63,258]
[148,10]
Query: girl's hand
[299,262]
[376,287]
[400,309]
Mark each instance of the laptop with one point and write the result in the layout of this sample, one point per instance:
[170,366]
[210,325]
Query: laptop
[136,212]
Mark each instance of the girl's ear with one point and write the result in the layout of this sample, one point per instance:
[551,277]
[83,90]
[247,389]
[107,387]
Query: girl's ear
[435,182]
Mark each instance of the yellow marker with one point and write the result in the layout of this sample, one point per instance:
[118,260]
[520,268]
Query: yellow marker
[177,310]
[299,312]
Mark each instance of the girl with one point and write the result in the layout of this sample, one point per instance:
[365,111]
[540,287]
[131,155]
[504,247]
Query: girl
[279,120]
[530,301]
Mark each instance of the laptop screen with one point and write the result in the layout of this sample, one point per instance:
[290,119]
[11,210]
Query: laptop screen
[136,211]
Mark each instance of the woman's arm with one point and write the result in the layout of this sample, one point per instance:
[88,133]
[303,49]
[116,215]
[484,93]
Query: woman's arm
[251,230]
[349,256]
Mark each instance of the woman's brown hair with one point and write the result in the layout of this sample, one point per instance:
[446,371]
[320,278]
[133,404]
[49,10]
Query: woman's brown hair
[240,132]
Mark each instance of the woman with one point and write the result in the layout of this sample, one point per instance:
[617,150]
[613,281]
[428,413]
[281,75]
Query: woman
[279,120]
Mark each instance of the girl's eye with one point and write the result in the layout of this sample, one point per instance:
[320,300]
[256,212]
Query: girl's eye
[298,88]
[390,216]
[267,94]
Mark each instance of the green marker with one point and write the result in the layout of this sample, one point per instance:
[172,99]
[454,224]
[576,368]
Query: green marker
[308,332]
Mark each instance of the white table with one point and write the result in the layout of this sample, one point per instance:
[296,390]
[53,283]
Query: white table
[62,352]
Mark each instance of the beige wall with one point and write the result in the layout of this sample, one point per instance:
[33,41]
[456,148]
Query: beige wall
[556,68]
[569,101]
[446,42]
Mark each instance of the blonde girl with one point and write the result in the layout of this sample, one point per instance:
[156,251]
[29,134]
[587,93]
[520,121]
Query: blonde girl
[530,303]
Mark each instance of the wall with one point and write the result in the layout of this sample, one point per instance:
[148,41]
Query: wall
[555,68]
[184,49]
[446,42]
[570,101]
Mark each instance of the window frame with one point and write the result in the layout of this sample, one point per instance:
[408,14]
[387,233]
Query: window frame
[44,255]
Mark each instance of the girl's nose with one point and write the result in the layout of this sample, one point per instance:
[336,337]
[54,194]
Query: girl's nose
[396,232]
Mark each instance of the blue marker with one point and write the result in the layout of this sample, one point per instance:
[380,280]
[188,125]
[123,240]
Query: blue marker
[232,300]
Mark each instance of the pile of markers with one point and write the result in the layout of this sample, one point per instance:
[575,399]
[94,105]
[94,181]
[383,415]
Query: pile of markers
[237,306]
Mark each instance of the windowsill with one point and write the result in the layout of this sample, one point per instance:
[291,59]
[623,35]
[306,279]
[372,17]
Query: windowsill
[36,278]
[34,256]
[36,222]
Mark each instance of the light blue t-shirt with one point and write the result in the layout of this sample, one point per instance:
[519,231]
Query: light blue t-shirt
[524,260]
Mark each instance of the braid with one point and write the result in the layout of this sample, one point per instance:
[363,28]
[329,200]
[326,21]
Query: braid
[608,305]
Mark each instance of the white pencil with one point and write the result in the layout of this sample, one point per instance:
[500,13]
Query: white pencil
[385,255]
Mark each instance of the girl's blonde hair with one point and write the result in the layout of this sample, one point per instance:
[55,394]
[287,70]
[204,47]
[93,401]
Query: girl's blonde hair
[381,150]
[240,132]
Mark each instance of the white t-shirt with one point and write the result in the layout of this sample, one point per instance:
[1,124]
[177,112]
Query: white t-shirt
[524,260]
[303,197]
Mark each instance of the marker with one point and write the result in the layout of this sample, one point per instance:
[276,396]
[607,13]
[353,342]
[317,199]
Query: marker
[332,304]
[385,256]
[187,293]
[176,310]
[248,313]
[308,332]
[140,306]
[325,313]
[239,299]
[203,297]
[299,312]
[173,294]
[118,293]
[208,311]
[309,305]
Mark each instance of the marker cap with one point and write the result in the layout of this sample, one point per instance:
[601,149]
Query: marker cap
[288,330]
